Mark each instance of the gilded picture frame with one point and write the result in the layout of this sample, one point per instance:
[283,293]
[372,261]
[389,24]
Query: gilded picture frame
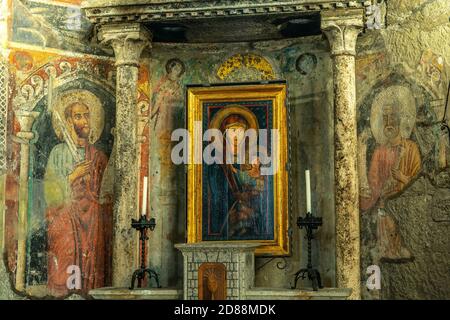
[236,202]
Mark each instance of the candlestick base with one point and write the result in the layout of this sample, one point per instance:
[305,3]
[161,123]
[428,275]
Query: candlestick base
[312,274]
[139,275]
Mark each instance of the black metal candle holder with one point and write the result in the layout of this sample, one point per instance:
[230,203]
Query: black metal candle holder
[310,223]
[142,225]
[444,125]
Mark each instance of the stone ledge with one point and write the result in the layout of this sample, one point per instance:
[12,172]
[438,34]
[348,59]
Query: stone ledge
[110,293]
[297,294]
[216,245]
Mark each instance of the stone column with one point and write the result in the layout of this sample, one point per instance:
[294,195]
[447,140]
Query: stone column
[25,119]
[342,27]
[128,41]
[4,90]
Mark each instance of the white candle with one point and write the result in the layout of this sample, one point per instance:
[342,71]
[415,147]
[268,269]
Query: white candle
[308,191]
[144,197]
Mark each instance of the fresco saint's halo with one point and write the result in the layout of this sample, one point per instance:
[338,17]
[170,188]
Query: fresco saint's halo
[403,97]
[234,109]
[96,111]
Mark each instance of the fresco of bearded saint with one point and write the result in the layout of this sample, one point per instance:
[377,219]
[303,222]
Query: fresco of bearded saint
[393,165]
[79,225]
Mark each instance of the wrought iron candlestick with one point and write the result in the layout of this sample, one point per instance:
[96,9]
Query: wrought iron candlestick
[142,225]
[310,223]
[444,125]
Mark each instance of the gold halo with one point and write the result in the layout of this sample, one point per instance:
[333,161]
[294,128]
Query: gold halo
[244,112]
[96,112]
[406,109]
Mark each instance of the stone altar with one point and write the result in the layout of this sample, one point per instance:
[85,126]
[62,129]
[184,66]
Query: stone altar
[238,259]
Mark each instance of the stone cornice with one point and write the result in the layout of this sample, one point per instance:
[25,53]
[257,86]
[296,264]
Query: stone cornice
[111,11]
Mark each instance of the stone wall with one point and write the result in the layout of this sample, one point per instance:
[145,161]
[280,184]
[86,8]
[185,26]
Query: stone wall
[407,64]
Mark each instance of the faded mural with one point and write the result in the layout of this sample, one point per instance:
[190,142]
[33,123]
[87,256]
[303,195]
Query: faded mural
[59,183]
[78,213]
[69,185]
[69,205]
[60,142]
[403,169]
[52,24]
[393,163]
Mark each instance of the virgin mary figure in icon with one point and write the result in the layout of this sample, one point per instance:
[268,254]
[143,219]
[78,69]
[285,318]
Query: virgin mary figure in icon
[236,192]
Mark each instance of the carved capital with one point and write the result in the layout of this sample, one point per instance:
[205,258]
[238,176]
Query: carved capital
[26,120]
[342,28]
[128,40]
